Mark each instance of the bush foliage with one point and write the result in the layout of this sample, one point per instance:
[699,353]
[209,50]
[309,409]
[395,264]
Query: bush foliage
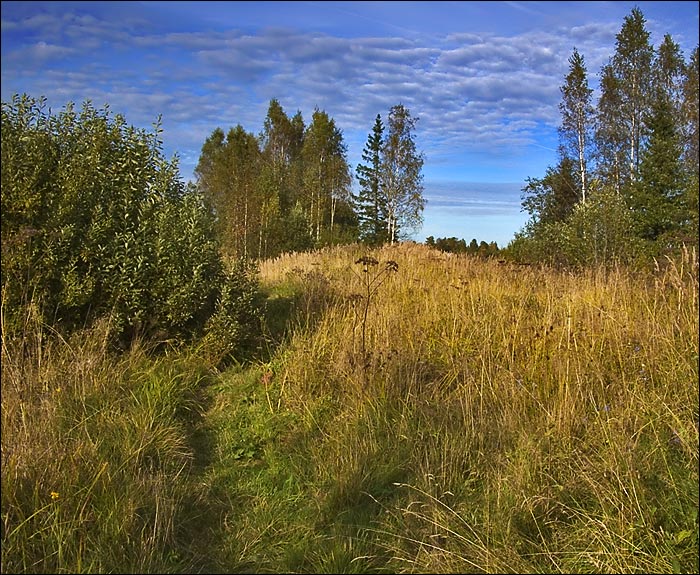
[96,222]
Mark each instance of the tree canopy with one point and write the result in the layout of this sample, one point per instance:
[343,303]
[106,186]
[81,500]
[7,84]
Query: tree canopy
[390,202]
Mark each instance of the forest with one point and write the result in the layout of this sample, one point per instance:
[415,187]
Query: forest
[259,372]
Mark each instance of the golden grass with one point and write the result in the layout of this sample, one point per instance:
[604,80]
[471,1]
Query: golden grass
[569,398]
[461,415]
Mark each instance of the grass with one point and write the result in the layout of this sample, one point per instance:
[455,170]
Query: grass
[465,416]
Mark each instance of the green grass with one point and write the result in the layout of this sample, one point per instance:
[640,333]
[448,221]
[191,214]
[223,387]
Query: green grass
[469,416]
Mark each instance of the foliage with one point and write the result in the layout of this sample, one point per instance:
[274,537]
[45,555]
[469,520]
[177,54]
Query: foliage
[455,246]
[228,172]
[371,204]
[401,178]
[326,174]
[286,190]
[644,150]
[655,197]
[552,198]
[233,332]
[577,118]
[96,223]
[598,232]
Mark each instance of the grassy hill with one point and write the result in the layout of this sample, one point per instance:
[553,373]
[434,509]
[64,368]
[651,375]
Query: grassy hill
[412,411]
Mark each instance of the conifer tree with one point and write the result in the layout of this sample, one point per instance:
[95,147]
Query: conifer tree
[655,197]
[370,205]
[690,115]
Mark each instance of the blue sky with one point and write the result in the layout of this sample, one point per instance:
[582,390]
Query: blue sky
[483,78]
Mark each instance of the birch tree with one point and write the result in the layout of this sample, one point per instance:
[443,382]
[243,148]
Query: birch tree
[577,116]
[626,87]
[326,171]
[401,178]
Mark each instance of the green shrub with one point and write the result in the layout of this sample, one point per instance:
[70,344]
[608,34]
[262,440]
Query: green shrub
[97,223]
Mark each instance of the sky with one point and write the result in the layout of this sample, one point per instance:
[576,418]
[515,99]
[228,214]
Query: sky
[483,79]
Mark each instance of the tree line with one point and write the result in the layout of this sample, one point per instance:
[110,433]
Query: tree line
[459,246]
[97,224]
[290,187]
[626,182]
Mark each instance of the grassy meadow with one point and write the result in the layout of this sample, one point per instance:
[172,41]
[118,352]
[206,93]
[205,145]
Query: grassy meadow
[411,411]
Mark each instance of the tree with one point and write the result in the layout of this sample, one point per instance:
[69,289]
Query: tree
[625,87]
[281,142]
[643,192]
[326,172]
[401,178]
[609,131]
[691,150]
[689,112]
[655,197]
[552,198]
[669,73]
[227,174]
[690,101]
[370,204]
[452,245]
[577,116]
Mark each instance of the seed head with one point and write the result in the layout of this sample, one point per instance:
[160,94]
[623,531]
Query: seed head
[367,261]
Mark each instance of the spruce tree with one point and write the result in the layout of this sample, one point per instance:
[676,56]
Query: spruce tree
[690,115]
[370,205]
[691,153]
[655,198]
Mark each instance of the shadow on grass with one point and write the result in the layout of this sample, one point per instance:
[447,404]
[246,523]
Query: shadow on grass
[243,478]
[299,302]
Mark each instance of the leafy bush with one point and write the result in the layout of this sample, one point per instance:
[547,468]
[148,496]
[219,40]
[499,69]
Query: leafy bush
[97,223]
[234,329]
[597,232]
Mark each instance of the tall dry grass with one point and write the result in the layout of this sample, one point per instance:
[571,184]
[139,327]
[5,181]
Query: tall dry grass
[95,454]
[528,418]
[438,414]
